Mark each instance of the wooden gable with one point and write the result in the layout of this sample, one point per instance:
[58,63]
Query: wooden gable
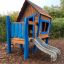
[30,8]
[28,12]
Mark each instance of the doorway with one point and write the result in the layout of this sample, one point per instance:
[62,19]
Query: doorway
[31,27]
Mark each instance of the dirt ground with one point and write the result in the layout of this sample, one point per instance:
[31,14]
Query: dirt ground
[16,57]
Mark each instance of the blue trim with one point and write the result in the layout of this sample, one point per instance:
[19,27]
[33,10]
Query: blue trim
[44,32]
[33,28]
[46,21]
[50,25]
[33,15]
[38,25]
[8,27]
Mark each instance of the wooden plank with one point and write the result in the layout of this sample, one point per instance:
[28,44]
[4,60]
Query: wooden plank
[44,17]
[34,23]
[17,41]
[43,35]
[45,27]
[28,12]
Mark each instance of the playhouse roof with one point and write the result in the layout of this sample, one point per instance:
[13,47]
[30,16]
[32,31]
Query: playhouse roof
[37,8]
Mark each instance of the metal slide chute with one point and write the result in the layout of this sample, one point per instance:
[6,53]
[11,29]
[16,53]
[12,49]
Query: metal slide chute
[49,46]
[46,48]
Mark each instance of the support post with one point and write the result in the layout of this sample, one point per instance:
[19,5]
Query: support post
[34,49]
[8,28]
[26,44]
[46,40]
[33,32]
[38,26]
[21,46]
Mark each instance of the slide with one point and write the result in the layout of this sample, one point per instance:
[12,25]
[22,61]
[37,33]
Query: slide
[49,46]
[52,51]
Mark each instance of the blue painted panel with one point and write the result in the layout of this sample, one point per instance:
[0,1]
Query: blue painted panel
[20,30]
[16,30]
[12,30]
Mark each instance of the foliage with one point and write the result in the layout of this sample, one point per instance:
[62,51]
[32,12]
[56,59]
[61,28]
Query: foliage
[57,14]
[13,17]
[57,29]
[2,28]
[56,11]
[62,4]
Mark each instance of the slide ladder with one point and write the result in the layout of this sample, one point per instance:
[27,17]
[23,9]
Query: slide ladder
[52,51]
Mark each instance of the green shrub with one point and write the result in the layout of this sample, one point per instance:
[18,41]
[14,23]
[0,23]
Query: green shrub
[57,28]
[13,17]
[2,28]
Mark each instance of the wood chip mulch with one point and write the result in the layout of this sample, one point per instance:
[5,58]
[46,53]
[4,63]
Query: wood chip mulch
[16,57]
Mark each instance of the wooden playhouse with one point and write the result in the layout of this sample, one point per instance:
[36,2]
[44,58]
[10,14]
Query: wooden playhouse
[30,9]
[33,24]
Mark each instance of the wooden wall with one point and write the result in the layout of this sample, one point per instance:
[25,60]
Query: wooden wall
[29,11]
[45,17]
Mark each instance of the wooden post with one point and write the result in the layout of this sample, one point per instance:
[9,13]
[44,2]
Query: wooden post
[8,28]
[38,26]
[26,44]
[46,40]
[33,31]
[49,28]
[21,46]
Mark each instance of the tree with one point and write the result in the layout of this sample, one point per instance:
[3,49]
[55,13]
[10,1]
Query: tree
[62,4]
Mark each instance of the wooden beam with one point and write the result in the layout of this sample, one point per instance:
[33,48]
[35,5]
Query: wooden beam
[17,41]
[43,35]
[32,23]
